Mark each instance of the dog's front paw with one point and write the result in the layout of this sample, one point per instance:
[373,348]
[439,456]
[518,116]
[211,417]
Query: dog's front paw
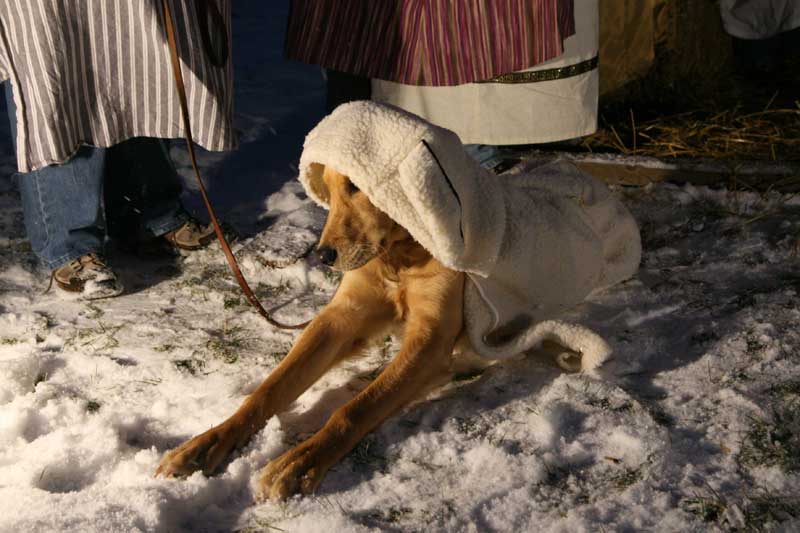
[300,470]
[204,452]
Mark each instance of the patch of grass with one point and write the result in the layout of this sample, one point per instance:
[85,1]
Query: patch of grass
[367,455]
[626,478]
[210,278]
[736,375]
[192,366]
[164,348]
[386,347]
[392,515]
[92,406]
[604,404]
[426,465]
[774,442]
[266,292]
[372,375]
[564,487]
[93,311]
[102,338]
[395,514]
[230,303]
[227,343]
[787,388]
[769,509]
[9,341]
[753,344]
[440,515]
[706,508]
[334,277]
[467,426]
[595,397]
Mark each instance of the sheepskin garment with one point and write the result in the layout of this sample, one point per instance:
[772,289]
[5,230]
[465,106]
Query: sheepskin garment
[532,245]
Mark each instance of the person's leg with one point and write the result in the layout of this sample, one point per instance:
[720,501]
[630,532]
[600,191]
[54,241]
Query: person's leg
[142,191]
[62,208]
[62,203]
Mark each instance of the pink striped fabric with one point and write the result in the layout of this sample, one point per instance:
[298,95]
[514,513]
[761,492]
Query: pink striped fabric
[428,42]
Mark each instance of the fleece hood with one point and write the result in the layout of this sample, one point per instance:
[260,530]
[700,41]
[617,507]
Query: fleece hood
[533,244]
[415,172]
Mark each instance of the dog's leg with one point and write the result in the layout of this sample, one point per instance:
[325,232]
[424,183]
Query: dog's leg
[423,360]
[338,331]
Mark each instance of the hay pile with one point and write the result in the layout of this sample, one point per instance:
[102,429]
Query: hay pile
[772,134]
[697,101]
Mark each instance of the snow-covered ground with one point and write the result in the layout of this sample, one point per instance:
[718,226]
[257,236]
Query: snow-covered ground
[695,425]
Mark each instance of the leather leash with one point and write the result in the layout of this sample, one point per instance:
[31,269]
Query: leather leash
[176,70]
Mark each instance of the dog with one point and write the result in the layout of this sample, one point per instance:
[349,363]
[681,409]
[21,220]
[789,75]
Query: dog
[433,245]
[390,282]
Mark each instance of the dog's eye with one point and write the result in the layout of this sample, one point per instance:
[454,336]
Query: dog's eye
[351,187]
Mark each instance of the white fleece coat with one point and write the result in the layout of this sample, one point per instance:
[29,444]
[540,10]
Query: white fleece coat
[532,245]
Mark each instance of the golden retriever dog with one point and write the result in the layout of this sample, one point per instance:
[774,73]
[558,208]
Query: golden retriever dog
[389,281]
[532,245]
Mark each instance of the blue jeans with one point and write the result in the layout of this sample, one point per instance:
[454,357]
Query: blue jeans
[133,182]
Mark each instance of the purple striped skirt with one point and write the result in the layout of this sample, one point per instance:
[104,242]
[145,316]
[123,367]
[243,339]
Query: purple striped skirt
[428,42]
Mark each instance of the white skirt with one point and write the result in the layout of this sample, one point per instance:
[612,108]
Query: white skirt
[525,111]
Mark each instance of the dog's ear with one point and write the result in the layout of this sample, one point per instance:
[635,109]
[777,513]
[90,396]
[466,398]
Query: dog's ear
[316,184]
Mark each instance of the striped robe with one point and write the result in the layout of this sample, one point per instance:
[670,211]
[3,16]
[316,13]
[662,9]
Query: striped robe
[98,72]
[428,42]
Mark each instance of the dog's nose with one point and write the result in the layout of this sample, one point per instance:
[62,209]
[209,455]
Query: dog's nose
[326,255]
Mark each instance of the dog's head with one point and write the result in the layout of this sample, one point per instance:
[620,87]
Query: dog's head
[356,231]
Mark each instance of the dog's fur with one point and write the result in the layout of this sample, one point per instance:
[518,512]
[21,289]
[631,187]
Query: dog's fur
[389,281]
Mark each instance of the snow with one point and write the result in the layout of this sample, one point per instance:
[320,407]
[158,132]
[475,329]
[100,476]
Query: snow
[694,424]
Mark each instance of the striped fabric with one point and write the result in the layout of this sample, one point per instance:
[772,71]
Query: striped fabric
[428,42]
[98,72]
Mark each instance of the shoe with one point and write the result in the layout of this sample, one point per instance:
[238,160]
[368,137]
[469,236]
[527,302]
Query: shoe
[88,275]
[190,236]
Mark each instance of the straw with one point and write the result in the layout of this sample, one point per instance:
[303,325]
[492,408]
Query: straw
[772,134]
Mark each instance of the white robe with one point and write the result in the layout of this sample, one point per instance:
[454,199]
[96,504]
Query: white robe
[515,113]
